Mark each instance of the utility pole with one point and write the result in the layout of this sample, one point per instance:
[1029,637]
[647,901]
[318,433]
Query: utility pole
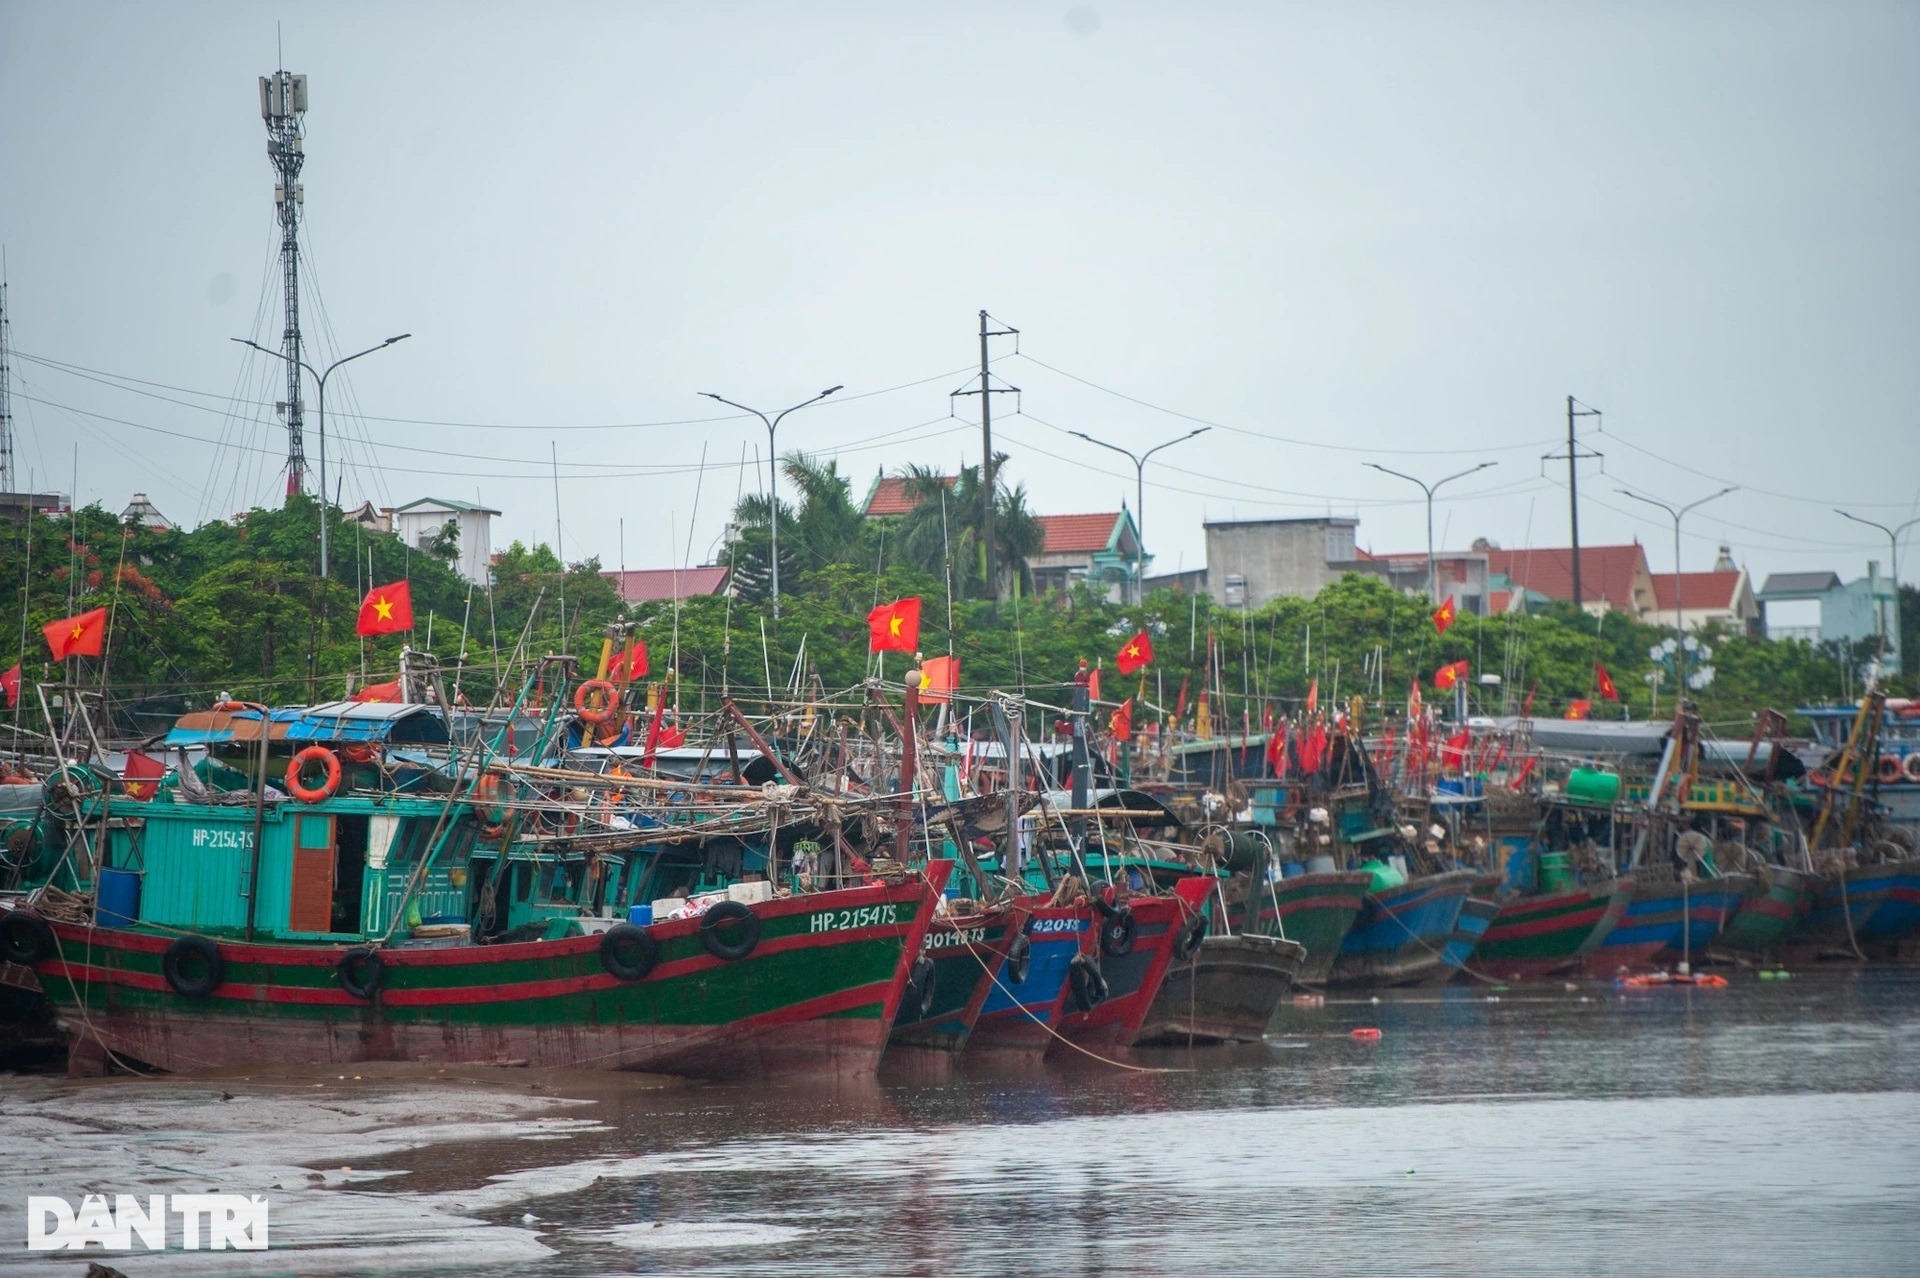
[1573,455]
[283,105]
[986,392]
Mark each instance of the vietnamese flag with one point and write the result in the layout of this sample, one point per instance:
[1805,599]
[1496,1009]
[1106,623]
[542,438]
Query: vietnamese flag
[386,609]
[1135,653]
[1448,675]
[1607,691]
[894,627]
[139,774]
[1122,721]
[10,683]
[630,663]
[1580,709]
[939,676]
[378,692]
[1444,616]
[81,636]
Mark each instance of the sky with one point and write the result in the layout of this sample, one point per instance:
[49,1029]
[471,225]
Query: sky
[1336,234]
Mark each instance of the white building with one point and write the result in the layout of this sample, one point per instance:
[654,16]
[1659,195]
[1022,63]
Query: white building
[418,523]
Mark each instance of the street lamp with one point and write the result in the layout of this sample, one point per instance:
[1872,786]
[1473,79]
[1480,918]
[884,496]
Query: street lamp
[1679,627]
[1139,461]
[1433,576]
[321,378]
[773,468]
[1893,541]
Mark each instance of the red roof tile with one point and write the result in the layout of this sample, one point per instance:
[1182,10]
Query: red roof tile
[890,496]
[1606,572]
[1697,589]
[643,585]
[1072,534]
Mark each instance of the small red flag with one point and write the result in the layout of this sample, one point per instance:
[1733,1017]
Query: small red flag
[1448,675]
[378,692]
[1443,617]
[1122,721]
[1093,686]
[939,676]
[1135,653]
[1526,710]
[386,610]
[630,663]
[1416,704]
[1453,751]
[1607,691]
[10,682]
[894,627]
[81,636]
[1180,703]
[1313,697]
[1580,709]
[140,773]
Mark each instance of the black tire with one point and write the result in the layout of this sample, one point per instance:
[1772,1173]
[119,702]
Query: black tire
[1188,942]
[1116,934]
[1019,960]
[25,938]
[628,952]
[1089,986]
[721,915]
[193,966]
[360,971]
[1107,908]
[919,997]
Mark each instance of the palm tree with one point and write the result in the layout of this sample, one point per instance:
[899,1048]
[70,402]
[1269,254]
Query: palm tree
[941,534]
[827,528]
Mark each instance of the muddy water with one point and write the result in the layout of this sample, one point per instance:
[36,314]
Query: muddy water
[1769,1128]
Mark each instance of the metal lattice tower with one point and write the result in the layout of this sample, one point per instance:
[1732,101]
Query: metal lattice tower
[283,105]
[8,482]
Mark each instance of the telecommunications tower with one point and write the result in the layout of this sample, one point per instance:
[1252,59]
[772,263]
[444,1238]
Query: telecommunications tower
[7,480]
[283,105]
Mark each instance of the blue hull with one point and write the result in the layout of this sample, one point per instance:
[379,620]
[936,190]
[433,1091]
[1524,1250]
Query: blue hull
[1402,933]
[1664,919]
[1884,901]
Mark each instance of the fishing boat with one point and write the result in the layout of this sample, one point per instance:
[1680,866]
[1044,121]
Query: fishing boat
[1114,986]
[1225,991]
[1025,1005]
[1477,913]
[1877,905]
[1314,911]
[1401,935]
[1669,915]
[1766,920]
[1540,936]
[948,986]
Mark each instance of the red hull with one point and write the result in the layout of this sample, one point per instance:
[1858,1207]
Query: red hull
[1023,1032]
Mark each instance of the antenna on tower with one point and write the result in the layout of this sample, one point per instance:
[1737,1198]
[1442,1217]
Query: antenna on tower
[283,105]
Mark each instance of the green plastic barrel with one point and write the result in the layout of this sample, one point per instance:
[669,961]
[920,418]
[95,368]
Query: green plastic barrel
[1385,877]
[1556,871]
[1590,785]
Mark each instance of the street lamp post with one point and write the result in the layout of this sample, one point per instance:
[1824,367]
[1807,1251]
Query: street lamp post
[1433,577]
[1679,625]
[1887,628]
[321,407]
[773,468]
[1139,461]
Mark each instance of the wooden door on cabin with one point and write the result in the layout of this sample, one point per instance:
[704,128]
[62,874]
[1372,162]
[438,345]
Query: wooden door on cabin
[310,908]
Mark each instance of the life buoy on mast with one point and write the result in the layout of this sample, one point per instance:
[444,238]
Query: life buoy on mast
[596,700]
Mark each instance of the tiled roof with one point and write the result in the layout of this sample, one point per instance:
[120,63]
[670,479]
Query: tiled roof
[1697,589]
[1794,583]
[642,585]
[1606,572]
[890,496]
[1069,534]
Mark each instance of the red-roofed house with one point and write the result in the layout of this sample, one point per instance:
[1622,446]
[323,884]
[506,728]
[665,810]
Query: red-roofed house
[644,585]
[1612,578]
[1723,596]
[889,495]
[1097,549]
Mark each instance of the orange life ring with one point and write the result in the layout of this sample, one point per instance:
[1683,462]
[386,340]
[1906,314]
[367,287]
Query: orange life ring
[1889,767]
[297,767]
[601,711]
[359,753]
[489,799]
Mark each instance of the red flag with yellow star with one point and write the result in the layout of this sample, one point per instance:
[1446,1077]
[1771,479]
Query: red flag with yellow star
[1605,681]
[1135,653]
[386,609]
[1443,617]
[1579,709]
[894,627]
[1448,675]
[81,636]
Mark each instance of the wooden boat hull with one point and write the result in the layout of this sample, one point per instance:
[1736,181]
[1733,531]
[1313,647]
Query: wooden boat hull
[1402,933]
[1476,916]
[968,953]
[1133,979]
[1536,938]
[816,995]
[1766,919]
[1227,992]
[1670,919]
[1883,902]
[1313,910]
[1019,1019]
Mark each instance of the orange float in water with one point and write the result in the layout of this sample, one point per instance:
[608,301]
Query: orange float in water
[1366,1035]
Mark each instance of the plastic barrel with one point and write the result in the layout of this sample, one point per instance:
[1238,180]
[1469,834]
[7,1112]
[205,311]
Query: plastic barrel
[1590,785]
[118,901]
[1320,865]
[1556,871]
[640,915]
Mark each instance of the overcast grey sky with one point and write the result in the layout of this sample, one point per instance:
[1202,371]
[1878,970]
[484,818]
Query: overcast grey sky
[1390,232]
